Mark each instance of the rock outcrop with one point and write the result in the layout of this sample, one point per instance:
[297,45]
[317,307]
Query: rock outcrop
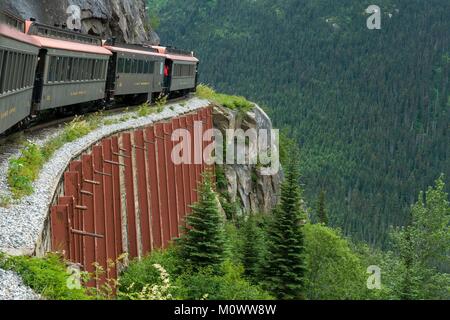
[127,20]
[246,185]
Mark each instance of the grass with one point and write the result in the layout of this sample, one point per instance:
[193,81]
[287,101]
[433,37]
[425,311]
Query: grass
[5,201]
[232,102]
[46,276]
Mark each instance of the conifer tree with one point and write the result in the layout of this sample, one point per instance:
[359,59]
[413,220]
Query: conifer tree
[285,266]
[202,244]
[252,248]
[321,211]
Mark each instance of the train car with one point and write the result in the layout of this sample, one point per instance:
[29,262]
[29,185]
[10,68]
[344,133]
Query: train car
[18,60]
[134,70]
[180,70]
[72,67]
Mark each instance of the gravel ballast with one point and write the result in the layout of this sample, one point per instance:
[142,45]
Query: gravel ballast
[12,287]
[22,223]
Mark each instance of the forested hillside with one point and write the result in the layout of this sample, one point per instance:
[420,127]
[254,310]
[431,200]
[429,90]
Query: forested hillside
[369,108]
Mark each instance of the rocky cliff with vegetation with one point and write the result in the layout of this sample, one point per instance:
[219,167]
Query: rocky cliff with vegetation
[247,190]
[125,19]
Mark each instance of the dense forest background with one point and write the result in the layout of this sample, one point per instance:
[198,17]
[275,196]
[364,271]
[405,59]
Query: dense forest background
[369,108]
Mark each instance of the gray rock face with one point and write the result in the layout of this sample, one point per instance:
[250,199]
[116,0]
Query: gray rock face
[257,193]
[125,19]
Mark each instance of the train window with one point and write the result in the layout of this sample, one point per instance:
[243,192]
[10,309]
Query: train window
[101,69]
[133,66]
[82,69]
[4,72]
[60,71]
[75,69]
[21,83]
[175,70]
[79,68]
[23,70]
[50,67]
[146,67]
[16,82]
[95,69]
[1,68]
[10,76]
[68,73]
[120,65]
[128,66]
[91,69]
[140,68]
[152,67]
[28,70]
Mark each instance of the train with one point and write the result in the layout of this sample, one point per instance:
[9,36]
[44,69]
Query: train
[51,69]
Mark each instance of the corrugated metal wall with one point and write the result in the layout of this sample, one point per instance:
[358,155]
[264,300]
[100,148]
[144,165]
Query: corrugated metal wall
[126,195]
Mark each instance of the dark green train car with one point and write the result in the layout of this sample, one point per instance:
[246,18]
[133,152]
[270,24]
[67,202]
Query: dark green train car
[72,68]
[180,70]
[18,59]
[135,70]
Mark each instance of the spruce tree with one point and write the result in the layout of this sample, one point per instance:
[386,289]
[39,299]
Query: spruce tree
[321,212]
[285,266]
[202,243]
[252,248]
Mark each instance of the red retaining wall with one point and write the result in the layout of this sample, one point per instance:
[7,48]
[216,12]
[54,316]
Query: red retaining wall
[126,195]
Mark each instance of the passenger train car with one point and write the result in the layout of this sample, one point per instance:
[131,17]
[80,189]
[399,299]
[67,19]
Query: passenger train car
[18,60]
[50,68]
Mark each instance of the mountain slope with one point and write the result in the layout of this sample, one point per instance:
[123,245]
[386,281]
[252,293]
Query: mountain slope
[369,108]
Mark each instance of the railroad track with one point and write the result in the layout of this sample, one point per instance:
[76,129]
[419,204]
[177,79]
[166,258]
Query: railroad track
[10,141]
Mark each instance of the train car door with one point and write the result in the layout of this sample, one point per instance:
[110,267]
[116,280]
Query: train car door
[168,67]
[39,81]
[111,78]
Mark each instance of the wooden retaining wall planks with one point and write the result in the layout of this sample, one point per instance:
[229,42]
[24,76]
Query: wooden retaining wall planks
[127,196]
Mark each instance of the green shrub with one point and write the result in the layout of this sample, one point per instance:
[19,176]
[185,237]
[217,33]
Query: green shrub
[46,276]
[144,110]
[5,201]
[142,273]
[227,285]
[24,169]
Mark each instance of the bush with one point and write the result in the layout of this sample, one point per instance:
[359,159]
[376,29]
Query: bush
[46,276]
[227,285]
[144,110]
[142,273]
[24,169]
